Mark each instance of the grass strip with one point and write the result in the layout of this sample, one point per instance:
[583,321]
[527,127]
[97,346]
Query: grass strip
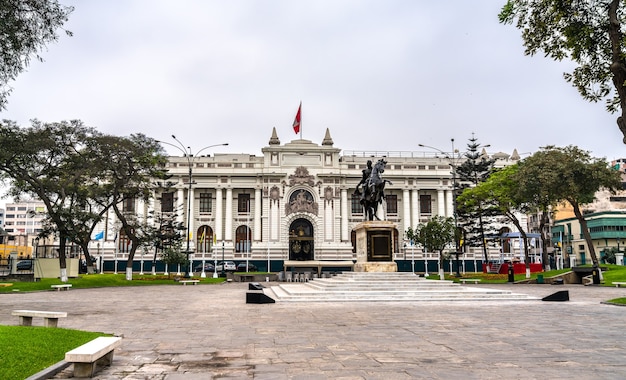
[100,281]
[26,350]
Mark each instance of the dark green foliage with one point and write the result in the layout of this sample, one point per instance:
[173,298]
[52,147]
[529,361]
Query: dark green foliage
[477,221]
[434,235]
[27,27]
[588,33]
[79,174]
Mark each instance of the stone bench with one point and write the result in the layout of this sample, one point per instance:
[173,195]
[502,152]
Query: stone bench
[474,280]
[50,318]
[87,357]
[61,287]
[618,284]
[185,282]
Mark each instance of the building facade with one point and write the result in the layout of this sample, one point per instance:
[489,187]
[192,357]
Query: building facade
[23,221]
[295,202]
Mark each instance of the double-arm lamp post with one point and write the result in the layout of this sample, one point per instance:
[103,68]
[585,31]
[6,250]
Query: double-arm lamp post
[452,156]
[187,153]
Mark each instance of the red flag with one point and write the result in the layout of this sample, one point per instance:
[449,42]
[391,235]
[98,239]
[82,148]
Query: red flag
[296,122]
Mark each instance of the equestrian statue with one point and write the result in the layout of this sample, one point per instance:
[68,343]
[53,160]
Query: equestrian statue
[371,188]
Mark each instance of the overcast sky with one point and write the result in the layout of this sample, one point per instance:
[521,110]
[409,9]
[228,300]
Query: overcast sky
[381,75]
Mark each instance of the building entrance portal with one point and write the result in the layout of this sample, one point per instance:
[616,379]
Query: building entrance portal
[301,240]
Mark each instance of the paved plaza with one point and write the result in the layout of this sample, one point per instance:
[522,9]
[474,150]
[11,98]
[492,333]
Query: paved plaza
[209,332]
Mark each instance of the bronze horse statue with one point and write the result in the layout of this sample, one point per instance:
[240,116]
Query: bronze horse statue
[373,189]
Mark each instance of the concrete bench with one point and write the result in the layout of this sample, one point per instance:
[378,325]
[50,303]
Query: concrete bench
[50,318]
[185,282]
[87,357]
[618,284]
[474,280]
[61,287]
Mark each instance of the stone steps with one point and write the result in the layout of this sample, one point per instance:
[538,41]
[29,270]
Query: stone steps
[388,286]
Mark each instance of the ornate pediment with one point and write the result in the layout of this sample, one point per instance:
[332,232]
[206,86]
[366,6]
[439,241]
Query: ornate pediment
[301,177]
[301,201]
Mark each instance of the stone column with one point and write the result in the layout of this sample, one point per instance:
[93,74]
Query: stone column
[228,217]
[257,215]
[441,205]
[415,214]
[192,224]
[180,205]
[219,218]
[449,203]
[406,210]
[345,234]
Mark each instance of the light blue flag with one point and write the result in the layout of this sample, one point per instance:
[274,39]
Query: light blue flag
[99,236]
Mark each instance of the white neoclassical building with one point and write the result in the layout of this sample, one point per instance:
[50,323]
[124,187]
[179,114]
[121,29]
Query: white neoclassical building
[295,202]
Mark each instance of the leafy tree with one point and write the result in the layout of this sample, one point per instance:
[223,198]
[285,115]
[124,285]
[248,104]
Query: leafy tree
[44,161]
[434,235]
[588,33]
[475,169]
[173,256]
[571,174]
[165,231]
[79,174]
[27,27]
[531,177]
[126,175]
[610,255]
[500,193]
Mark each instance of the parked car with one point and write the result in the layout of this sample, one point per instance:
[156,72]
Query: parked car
[229,266]
[25,265]
[241,267]
[208,267]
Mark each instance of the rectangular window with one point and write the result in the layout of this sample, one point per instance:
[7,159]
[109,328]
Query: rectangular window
[243,203]
[167,202]
[355,203]
[206,202]
[392,204]
[425,204]
[128,205]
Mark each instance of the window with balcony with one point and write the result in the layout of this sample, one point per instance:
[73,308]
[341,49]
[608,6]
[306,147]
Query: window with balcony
[206,202]
[426,204]
[355,204]
[167,202]
[243,203]
[392,204]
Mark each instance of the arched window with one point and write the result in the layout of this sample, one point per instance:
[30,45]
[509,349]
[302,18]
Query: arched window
[204,239]
[123,242]
[243,239]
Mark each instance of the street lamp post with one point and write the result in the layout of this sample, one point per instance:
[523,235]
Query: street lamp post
[453,165]
[187,153]
[454,158]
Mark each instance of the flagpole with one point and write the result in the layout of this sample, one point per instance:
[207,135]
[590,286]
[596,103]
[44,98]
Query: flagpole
[300,119]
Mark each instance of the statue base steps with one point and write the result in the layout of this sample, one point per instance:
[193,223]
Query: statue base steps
[382,266]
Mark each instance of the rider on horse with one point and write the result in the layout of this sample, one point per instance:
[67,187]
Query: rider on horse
[373,188]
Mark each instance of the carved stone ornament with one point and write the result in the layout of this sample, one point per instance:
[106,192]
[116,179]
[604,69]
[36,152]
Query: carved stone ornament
[328,194]
[274,193]
[301,201]
[301,177]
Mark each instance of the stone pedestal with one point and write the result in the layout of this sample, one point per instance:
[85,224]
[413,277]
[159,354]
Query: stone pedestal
[375,246]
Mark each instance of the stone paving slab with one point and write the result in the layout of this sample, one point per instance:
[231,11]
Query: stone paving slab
[209,332]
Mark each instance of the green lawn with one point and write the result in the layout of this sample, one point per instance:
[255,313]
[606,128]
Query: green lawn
[614,273]
[26,350]
[100,281]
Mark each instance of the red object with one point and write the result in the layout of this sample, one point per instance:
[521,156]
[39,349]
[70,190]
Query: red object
[519,268]
[296,122]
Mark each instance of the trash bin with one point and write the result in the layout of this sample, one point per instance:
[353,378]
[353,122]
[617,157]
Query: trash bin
[540,279]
